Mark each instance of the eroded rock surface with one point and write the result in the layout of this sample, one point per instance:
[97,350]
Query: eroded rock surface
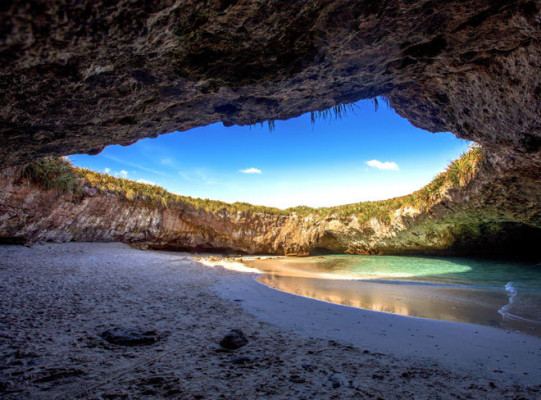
[77,76]
[488,217]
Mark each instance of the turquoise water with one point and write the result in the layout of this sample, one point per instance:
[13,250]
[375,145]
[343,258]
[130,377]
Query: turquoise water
[501,294]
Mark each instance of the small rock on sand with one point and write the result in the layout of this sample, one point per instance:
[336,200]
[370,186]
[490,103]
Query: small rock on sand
[234,339]
[131,337]
[338,380]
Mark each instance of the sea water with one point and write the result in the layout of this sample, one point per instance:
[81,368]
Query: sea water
[500,294]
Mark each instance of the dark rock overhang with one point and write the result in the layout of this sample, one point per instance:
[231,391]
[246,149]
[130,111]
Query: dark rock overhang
[77,76]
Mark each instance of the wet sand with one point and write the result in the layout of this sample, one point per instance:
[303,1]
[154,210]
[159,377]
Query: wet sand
[449,304]
[56,300]
[458,303]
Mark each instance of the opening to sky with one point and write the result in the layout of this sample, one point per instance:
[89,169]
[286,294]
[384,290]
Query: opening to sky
[365,155]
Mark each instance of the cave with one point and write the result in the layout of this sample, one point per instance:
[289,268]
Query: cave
[78,77]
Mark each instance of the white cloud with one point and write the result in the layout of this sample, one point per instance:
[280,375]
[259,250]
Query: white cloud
[388,165]
[250,171]
[167,161]
[107,170]
[124,173]
[145,181]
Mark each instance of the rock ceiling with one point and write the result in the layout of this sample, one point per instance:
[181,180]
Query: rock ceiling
[76,76]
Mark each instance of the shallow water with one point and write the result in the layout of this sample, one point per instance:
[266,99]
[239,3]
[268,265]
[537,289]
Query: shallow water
[500,294]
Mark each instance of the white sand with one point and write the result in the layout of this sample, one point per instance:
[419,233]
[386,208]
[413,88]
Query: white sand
[467,347]
[230,265]
[56,299]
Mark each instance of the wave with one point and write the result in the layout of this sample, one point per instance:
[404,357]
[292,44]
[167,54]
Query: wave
[511,293]
[504,311]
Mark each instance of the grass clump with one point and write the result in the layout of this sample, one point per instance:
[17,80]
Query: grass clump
[52,173]
[457,175]
[343,109]
[338,112]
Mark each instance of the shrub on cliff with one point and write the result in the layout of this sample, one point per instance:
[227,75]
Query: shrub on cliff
[52,173]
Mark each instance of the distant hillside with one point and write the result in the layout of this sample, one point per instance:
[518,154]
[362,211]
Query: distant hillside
[57,173]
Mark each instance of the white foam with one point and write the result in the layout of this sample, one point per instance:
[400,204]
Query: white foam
[504,311]
[511,293]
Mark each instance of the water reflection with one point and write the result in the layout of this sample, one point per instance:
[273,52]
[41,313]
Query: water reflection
[417,287]
[452,304]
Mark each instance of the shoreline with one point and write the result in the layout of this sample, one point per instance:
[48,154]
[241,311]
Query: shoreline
[454,303]
[489,348]
[56,299]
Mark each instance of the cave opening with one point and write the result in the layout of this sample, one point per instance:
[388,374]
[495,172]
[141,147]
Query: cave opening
[79,76]
[338,156]
[354,179]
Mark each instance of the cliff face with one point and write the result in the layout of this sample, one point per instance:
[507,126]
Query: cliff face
[475,220]
[77,76]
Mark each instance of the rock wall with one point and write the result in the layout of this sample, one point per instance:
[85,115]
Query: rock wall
[477,220]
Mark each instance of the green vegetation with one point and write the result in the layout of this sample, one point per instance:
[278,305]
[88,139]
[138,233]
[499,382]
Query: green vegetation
[52,173]
[57,173]
[341,110]
[459,173]
[158,196]
[338,111]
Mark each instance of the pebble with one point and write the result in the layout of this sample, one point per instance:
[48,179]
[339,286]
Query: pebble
[235,339]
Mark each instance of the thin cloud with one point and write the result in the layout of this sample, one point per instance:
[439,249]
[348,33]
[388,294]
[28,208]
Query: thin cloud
[250,171]
[167,162]
[134,165]
[107,170]
[387,165]
[124,173]
[197,175]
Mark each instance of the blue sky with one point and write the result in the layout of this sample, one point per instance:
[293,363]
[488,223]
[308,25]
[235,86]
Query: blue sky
[366,155]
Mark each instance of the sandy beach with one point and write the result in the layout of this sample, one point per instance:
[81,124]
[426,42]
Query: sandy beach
[58,299]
